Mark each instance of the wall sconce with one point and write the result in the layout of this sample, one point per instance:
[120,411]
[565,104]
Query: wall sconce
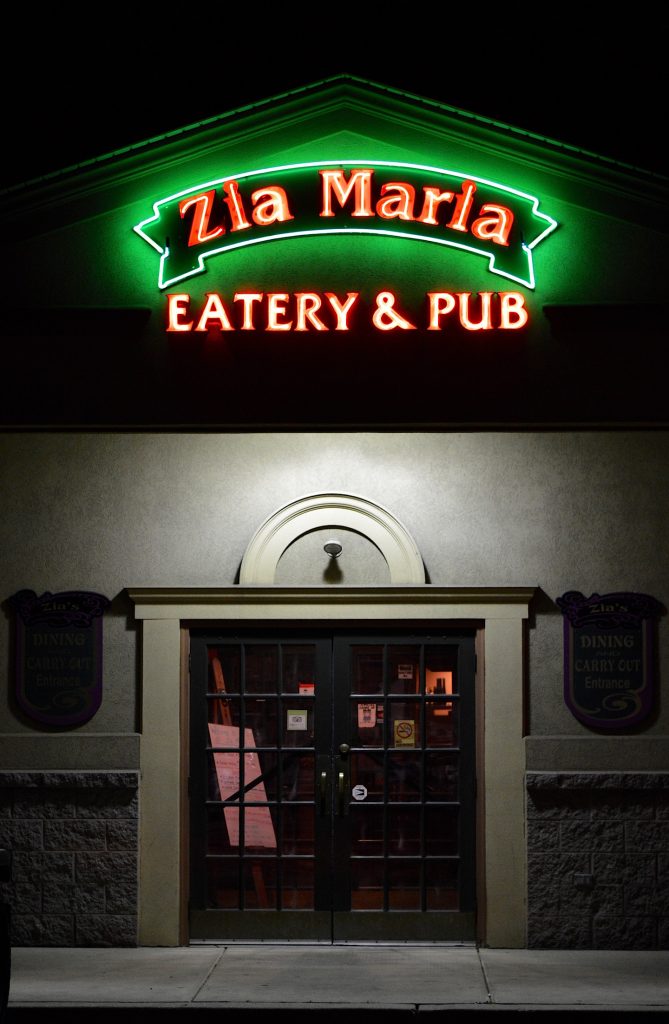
[332,548]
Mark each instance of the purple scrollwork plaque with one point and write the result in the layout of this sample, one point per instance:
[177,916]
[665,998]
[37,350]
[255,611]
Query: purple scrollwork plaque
[58,656]
[608,657]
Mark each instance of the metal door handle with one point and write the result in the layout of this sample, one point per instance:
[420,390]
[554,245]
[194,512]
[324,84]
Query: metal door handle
[323,792]
[341,793]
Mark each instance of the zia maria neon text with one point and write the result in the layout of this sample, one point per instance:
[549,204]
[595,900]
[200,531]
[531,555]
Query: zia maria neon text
[411,202]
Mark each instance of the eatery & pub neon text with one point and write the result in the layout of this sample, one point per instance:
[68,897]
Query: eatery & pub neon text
[325,311]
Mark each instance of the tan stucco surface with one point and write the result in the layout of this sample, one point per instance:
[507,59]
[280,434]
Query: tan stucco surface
[558,511]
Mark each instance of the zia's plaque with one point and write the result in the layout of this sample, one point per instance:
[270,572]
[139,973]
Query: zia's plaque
[58,655]
[608,657]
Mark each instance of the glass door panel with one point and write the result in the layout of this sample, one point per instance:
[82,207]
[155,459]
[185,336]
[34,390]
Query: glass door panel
[405,842]
[254,848]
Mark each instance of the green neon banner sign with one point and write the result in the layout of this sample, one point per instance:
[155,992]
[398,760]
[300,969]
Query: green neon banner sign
[409,201]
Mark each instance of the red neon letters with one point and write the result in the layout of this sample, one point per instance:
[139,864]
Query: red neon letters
[326,311]
[397,199]
[356,193]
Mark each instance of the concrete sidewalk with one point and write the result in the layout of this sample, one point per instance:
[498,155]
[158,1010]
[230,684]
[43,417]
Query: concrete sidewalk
[397,981]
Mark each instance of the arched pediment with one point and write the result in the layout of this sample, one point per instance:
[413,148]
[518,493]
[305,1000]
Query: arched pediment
[318,511]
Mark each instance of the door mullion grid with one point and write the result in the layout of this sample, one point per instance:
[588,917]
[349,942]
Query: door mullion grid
[335,723]
[421,793]
[202,792]
[242,815]
[386,743]
[279,776]
[331,771]
[323,858]
[466,779]
[457,709]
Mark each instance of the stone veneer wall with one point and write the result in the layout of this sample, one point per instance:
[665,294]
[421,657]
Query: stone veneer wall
[74,843]
[598,860]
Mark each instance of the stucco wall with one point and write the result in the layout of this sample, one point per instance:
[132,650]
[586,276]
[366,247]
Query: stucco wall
[560,511]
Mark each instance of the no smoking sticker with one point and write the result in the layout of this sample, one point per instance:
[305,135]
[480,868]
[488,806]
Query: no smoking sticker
[404,731]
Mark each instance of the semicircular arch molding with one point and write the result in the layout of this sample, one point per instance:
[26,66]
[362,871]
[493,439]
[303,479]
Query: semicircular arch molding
[318,511]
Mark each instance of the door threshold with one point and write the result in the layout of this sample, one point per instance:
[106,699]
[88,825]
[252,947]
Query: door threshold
[403,942]
[260,942]
[328,942]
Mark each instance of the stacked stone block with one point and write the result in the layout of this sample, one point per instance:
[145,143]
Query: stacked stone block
[598,860]
[74,843]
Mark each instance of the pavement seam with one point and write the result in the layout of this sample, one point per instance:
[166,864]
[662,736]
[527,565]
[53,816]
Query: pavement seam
[209,974]
[485,977]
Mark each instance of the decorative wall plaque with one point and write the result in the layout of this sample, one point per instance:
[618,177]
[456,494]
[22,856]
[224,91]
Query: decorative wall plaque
[58,656]
[608,657]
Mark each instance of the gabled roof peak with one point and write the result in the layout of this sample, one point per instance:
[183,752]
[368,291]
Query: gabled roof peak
[357,90]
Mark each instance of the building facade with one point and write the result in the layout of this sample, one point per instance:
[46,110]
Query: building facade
[334,531]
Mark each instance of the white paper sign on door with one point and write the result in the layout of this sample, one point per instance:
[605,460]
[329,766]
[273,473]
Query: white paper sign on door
[258,827]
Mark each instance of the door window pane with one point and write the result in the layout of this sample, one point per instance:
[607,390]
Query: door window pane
[404,724]
[223,776]
[299,666]
[297,722]
[403,885]
[261,720]
[441,831]
[441,775]
[366,830]
[260,771]
[441,723]
[224,669]
[297,777]
[367,884]
[367,668]
[224,828]
[261,668]
[223,883]
[223,711]
[441,883]
[298,829]
[404,771]
[218,836]
[441,662]
[260,888]
[367,771]
[297,889]
[367,718]
[403,669]
[404,831]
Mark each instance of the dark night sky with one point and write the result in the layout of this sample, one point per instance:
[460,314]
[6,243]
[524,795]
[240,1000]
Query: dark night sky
[602,87]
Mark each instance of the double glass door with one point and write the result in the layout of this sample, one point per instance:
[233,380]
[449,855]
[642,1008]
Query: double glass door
[332,787]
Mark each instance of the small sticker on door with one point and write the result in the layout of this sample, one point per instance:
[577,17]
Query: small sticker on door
[404,730]
[366,716]
[359,792]
[296,721]
[405,671]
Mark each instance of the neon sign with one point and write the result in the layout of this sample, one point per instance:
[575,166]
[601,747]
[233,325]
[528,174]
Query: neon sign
[409,201]
[311,311]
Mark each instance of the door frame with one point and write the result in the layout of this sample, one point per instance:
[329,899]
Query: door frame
[499,616]
[330,916]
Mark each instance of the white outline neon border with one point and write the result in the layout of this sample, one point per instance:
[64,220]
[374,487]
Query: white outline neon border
[164,252]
